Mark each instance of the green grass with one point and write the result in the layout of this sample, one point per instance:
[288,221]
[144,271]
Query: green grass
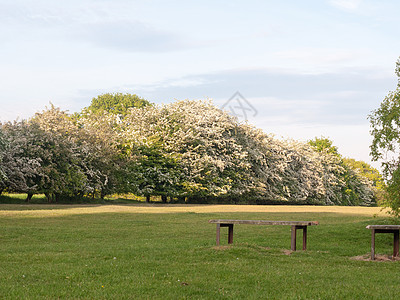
[173,256]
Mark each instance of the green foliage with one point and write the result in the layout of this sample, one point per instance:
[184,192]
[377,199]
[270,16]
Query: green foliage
[324,144]
[385,124]
[371,174]
[3,144]
[358,183]
[116,103]
[190,150]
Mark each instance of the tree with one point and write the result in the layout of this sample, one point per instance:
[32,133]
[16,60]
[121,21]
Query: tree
[3,144]
[91,163]
[27,161]
[116,103]
[351,186]
[385,124]
[324,144]
[373,176]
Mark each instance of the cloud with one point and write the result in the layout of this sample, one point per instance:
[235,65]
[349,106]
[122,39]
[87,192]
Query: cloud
[347,5]
[129,36]
[343,97]
[98,24]
[322,56]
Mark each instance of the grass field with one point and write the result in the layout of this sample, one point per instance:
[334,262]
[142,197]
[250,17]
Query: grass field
[168,252]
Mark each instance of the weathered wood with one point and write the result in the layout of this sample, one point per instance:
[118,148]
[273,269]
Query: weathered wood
[395,229]
[218,233]
[389,227]
[293,240]
[396,244]
[373,244]
[264,222]
[230,234]
[294,224]
[304,237]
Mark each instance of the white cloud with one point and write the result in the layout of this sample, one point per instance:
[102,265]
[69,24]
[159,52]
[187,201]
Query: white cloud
[347,5]
[323,56]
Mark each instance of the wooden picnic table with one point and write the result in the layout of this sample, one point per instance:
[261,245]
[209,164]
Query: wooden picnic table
[294,224]
[385,229]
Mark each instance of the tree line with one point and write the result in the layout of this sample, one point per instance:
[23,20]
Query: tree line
[186,151]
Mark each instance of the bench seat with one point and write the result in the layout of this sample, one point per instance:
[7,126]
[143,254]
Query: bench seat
[294,224]
[395,229]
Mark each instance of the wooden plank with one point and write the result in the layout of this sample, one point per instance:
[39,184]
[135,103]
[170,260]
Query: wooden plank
[305,238]
[373,244]
[396,244]
[264,222]
[293,240]
[230,234]
[218,233]
[385,227]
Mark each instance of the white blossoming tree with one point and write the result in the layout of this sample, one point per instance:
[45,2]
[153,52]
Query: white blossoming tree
[184,150]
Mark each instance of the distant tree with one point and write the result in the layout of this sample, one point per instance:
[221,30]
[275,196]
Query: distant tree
[116,103]
[3,144]
[352,187]
[27,160]
[91,157]
[385,124]
[324,144]
[367,171]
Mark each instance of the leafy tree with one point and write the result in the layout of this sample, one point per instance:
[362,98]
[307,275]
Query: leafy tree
[3,144]
[352,187]
[116,103]
[385,124]
[92,157]
[373,176]
[28,164]
[324,144]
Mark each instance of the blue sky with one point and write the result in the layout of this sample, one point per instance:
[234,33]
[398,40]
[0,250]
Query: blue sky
[309,68]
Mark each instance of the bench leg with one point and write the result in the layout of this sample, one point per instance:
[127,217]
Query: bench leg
[373,244]
[395,243]
[230,233]
[305,238]
[294,237]
[293,243]
[218,233]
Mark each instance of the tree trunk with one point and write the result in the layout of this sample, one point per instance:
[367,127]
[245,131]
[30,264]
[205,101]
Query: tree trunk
[164,199]
[50,197]
[147,198]
[29,197]
[102,194]
[1,191]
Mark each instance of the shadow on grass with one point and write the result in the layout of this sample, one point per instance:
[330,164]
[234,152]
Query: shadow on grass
[20,199]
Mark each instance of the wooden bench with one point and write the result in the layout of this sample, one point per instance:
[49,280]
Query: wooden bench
[385,229]
[295,225]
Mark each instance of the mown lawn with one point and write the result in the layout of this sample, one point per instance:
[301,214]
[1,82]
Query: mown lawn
[119,252]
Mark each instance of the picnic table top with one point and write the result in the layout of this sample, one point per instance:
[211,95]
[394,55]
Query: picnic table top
[264,222]
[389,227]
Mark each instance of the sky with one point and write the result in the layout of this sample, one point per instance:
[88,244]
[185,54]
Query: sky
[300,69]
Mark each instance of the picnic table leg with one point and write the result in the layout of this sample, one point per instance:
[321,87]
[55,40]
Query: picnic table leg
[373,244]
[305,238]
[396,243]
[218,233]
[293,244]
[230,234]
